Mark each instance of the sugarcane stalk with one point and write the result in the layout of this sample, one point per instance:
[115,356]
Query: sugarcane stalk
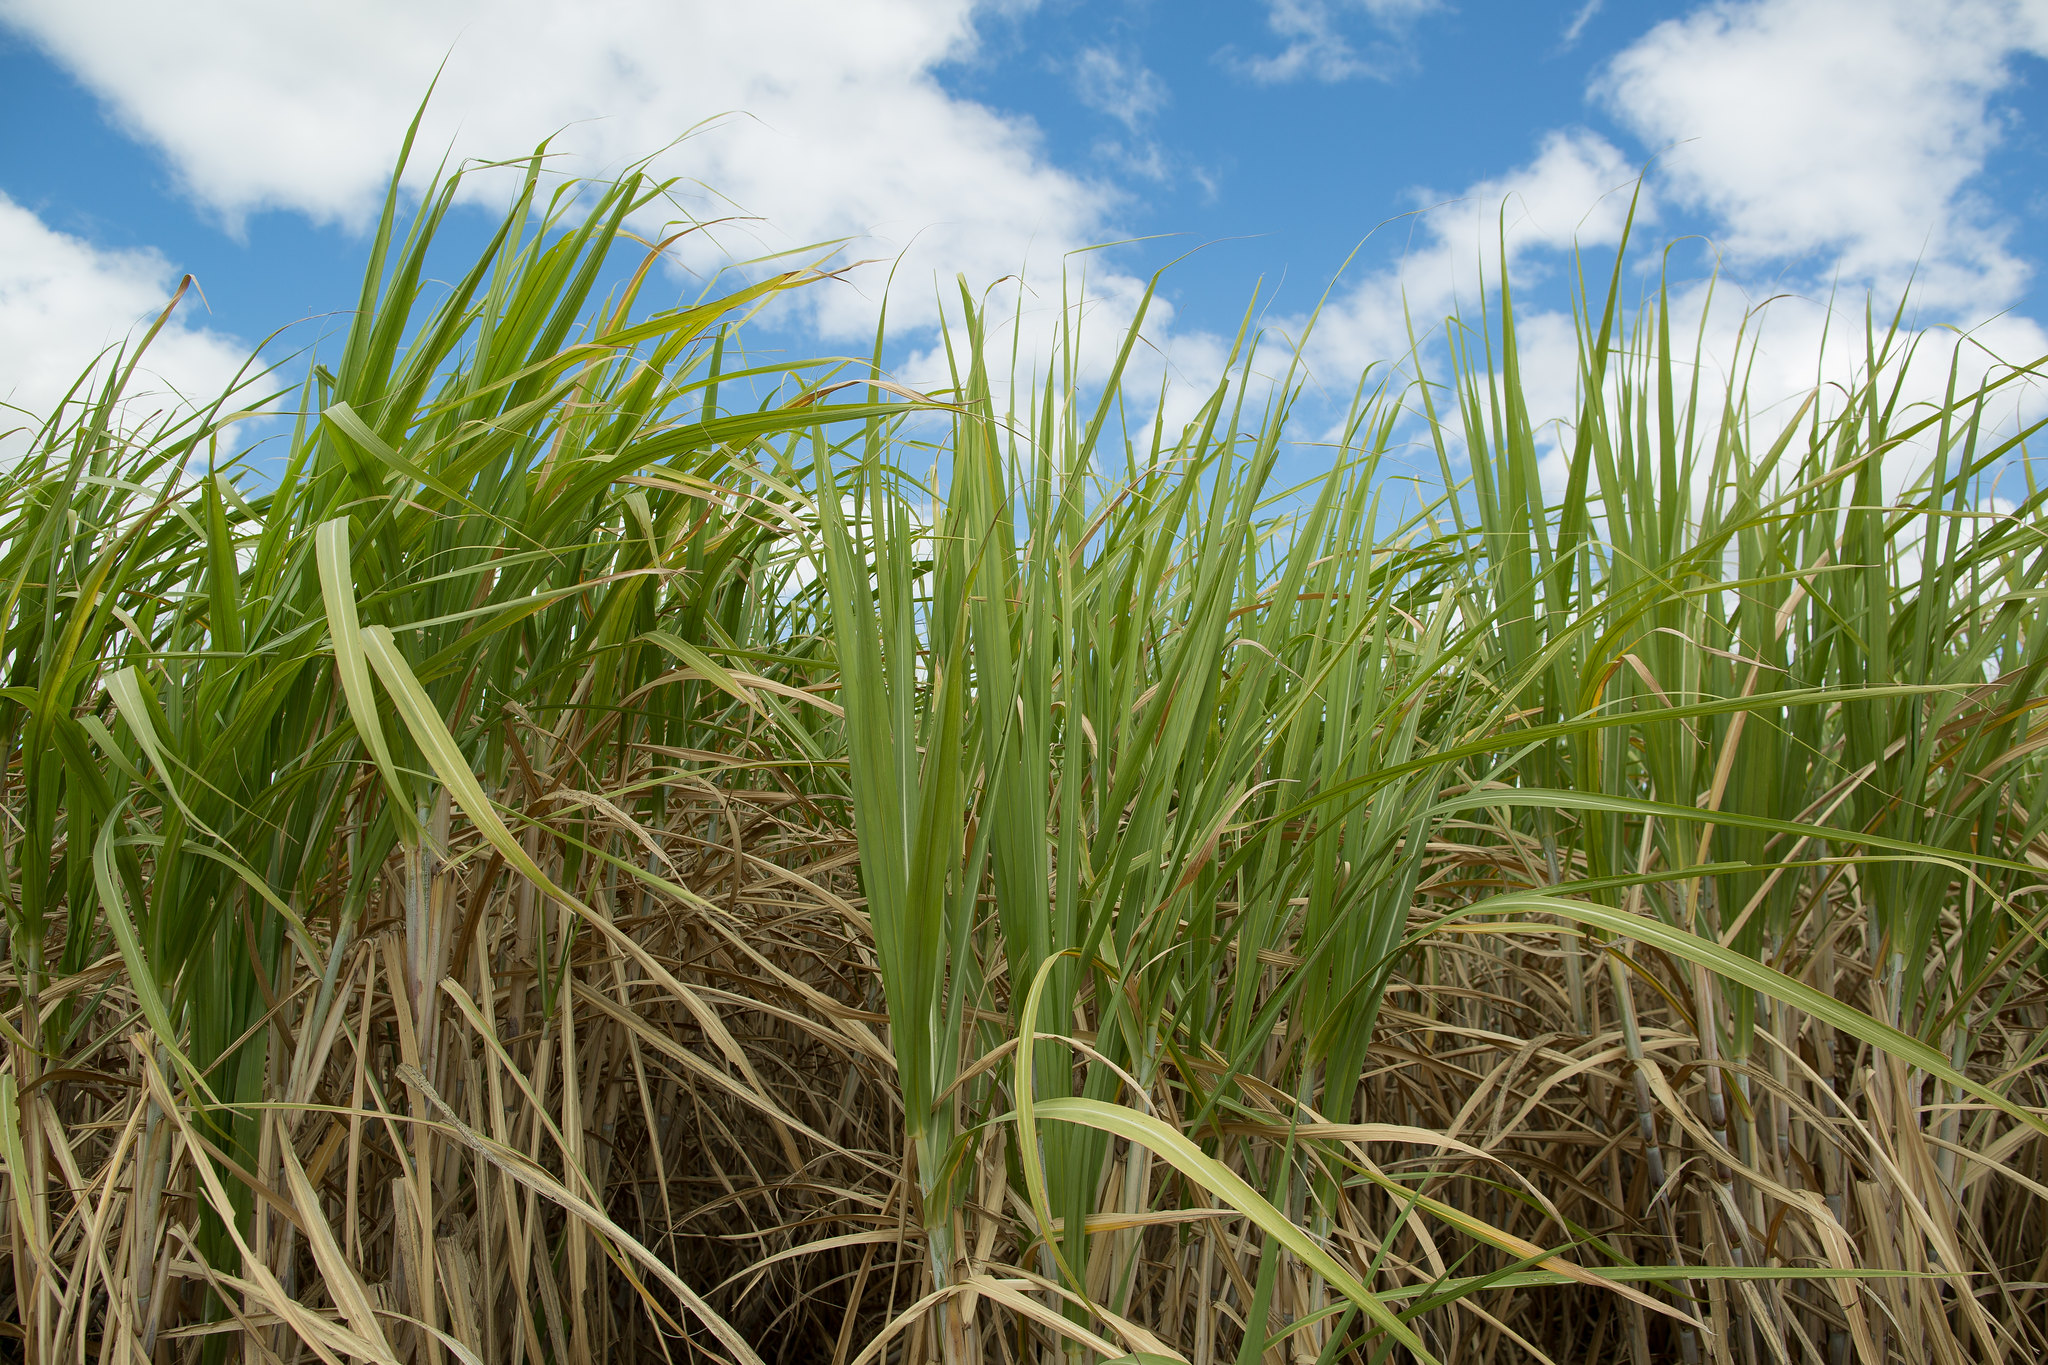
[1653,1153]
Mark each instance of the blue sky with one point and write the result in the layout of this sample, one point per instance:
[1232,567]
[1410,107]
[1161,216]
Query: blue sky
[1825,148]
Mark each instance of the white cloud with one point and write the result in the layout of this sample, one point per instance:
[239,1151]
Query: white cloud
[1579,21]
[1575,190]
[1821,140]
[1828,149]
[1775,349]
[1317,46]
[63,301]
[1840,133]
[1131,93]
[827,122]
[836,126]
[1128,91]
[1087,312]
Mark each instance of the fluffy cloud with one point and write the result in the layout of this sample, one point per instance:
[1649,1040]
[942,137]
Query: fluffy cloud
[1575,190]
[1831,148]
[1828,150]
[1821,143]
[825,122]
[1843,134]
[62,301]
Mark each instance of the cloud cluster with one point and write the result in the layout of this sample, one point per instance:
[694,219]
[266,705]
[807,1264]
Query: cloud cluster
[1121,86]
[1576,189]
[824,121]
[1823,145]
[1827,148]
[63,301]
[1839,134]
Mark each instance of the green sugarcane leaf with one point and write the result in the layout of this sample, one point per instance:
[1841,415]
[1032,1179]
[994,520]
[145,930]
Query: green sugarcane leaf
[337,592]
[17,1163]
[343,419]
[1172,1146]
[141,978]
[704,667]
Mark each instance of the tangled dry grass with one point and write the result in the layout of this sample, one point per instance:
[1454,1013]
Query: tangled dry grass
[464,1170]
